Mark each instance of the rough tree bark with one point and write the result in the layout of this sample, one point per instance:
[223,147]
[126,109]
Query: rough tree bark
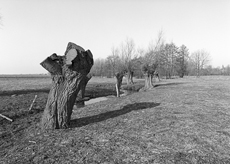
[148,81]
[119,77]
[130,77]
[80,97]
[148,71]
[67,73]
[156,75]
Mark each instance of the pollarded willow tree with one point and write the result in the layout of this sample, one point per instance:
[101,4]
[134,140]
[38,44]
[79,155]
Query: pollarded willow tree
[127,55]
[113,62]
[152,60]
[119,76]
[68,74]
[148,70]
[121,63]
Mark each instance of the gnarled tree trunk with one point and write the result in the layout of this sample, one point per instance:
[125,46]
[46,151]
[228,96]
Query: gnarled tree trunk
[119,77]
[156,74]
[80,97]
[67,72]
[148,81]
[130,77]
[148,71]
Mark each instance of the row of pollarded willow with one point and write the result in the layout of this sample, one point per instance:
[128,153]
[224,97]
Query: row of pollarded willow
[171,60]
[70,77]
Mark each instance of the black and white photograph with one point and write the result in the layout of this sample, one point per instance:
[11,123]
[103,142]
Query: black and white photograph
[114,81]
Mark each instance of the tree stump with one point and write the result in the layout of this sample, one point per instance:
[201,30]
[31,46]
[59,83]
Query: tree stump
[68,73]
[119,77]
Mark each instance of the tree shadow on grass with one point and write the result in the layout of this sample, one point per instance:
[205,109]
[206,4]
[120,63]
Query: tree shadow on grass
[167,84]
[111,114]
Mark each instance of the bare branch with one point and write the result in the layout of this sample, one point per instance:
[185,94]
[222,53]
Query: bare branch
[31,106]
[158,42]
[9,119]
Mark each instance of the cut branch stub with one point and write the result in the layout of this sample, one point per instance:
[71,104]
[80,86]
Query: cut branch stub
[74,46]
[70,56]
[51,66]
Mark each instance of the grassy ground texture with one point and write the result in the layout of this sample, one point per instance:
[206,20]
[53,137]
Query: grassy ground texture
[182,121]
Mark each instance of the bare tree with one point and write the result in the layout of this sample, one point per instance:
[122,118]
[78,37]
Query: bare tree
[182,60]
[121,62]
[168,58]
[119,76]
[152,60]
[201,58]
[127,54]
[118,68]
[113,62]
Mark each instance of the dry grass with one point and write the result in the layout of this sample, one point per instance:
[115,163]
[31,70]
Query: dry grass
[24,83]
[19,83]
[180,121]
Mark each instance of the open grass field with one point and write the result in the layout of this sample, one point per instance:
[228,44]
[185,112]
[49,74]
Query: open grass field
[41,83]
[38,83]
[182,121]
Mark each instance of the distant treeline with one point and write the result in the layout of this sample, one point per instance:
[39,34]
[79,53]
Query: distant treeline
[166,59]
[190,71]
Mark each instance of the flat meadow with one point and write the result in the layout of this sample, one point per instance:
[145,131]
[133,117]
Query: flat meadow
[36,82]
[179,121]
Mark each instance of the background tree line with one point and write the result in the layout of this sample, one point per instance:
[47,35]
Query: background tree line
[168,59]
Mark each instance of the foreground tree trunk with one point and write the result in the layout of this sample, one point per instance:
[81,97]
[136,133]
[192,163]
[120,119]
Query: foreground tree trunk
[119,77]
[67,72]
[81,94]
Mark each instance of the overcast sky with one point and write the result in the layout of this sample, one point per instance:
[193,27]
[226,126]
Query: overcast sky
[31,30]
